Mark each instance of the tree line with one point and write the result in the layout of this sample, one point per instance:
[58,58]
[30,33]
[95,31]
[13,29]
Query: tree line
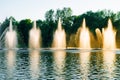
[70,23]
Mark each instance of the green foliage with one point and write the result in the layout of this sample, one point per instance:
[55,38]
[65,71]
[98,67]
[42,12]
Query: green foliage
[23,29]
[5,24]
[117,24]
[64,13]
[60,13]
[49,15]
[47,30]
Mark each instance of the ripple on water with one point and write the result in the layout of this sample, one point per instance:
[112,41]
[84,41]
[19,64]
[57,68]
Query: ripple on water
[66,68]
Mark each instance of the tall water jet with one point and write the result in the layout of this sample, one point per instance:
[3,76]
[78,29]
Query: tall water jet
[109,36]
[59,40]
[99,37]
[84,38]
[34,37]
[11,37]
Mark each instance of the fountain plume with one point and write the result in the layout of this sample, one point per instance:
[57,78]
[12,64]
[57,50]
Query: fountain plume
[11,37]
[84,38]
[99,37]
[109,36]
[10,25]
[59,40]
[34,37]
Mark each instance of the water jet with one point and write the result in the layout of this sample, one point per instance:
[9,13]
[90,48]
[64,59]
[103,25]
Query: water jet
[34,37]
[109,36]
[84,37]
[11,37]
[59,39]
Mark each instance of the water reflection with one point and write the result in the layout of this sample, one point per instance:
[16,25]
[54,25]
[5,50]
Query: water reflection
[34,64]
[11,58]
[47,67]
[84,65]
[59,59]
[72,67]
[2,65]
[109,64]
[22,71]
[59,65]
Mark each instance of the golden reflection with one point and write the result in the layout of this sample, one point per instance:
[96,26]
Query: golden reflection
[84,65]
[11,58]
[34,64]
[108,63]
[59,58]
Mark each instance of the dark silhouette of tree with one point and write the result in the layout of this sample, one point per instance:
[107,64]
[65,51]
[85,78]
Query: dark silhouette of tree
[23,29]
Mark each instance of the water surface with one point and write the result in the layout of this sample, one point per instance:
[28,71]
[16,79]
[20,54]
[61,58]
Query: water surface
[52,64]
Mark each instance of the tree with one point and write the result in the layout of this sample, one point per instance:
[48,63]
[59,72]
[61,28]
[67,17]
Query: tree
[49,15]
[5,24]
[64,13]
[117,16]
[23,29]
[39,23]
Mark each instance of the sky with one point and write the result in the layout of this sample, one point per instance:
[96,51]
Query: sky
[35,9]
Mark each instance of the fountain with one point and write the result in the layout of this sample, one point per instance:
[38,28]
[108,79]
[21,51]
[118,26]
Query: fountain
[59,40]
[99,37]
[105,40]
[34,37]
[11,37]
[84,38]
[109,36]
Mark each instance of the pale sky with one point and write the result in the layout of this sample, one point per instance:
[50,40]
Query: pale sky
[35,9]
